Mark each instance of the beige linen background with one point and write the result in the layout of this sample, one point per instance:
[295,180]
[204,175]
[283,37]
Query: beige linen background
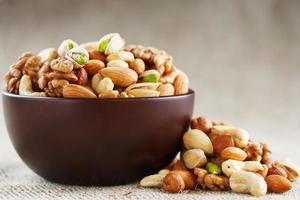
[242,57]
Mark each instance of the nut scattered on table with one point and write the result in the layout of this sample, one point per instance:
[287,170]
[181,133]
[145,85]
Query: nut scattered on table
[217,156]
[106,69]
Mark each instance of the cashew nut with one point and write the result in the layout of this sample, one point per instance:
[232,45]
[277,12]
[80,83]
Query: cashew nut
[25,87]
[231,166]
[248,182]
[154,180]
[196,139]
[240,136]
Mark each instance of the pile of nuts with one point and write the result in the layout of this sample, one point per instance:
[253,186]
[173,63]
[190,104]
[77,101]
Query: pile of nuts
[103,69]
[218,156]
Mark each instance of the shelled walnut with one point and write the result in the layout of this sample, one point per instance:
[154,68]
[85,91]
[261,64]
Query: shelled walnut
[29,64]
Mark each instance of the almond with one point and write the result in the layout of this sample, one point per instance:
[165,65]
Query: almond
[233,153]
[221,142]
[77,91]
[121,76]
[93,66]
[166,89]
[276,170]
[181,84]
[97,55]
[278,184]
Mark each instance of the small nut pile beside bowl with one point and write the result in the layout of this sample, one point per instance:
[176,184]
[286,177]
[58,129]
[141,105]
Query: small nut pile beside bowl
[103,69]
[90,114]
[218,156]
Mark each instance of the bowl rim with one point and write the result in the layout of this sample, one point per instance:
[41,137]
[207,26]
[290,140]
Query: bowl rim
[8,94]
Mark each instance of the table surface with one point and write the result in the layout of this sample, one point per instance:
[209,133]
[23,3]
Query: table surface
[17,181]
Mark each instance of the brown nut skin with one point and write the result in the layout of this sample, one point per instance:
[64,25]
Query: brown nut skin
[233,153]
[188,177]
[179,165]
[202,124]
[97,55]
[173,183]
[276,170]
[93,66]
[278,184]
[221,142]
[82,77]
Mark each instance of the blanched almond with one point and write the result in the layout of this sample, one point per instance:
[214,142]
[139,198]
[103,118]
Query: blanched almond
[121,76]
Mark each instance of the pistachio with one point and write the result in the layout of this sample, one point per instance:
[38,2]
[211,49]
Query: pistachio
[111,43]
[213,168]
[150,86]
[121,55]
[117,63]
[79,56]
[196,139]
[150,76]
[194,158]
[143,93]
[47,55]
[65,46]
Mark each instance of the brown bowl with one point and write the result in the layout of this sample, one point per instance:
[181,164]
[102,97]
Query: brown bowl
[96,142]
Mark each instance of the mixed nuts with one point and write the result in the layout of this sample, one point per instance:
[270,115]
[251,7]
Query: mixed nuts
[103,69]
[218,156]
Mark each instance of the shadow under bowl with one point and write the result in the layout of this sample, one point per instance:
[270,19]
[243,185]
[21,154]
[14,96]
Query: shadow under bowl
[96,141]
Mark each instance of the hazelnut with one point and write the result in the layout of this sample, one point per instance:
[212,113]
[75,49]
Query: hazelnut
[221,142]
[202,124]
[173,183]
[188,177]
[179,165]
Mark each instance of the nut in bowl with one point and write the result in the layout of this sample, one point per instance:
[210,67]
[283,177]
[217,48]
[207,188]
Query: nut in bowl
[89,114]
[106,69]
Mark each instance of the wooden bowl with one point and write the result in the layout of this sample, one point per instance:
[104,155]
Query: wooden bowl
[97,141]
